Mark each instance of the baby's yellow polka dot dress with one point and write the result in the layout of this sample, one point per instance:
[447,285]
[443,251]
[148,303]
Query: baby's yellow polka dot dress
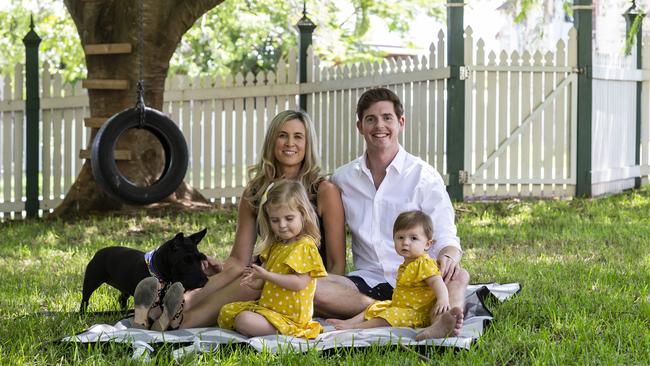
[289,311]
[412,298]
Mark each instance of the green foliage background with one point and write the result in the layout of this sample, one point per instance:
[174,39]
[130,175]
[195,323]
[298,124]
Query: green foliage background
[238,35]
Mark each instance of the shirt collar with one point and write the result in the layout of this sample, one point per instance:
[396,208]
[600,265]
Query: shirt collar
[397,164]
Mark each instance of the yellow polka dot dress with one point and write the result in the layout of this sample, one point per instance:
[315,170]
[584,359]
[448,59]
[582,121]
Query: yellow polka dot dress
[412,298]
[290,312]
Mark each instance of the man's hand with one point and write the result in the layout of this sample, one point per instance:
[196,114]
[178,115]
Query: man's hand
[211,266]
[448,267]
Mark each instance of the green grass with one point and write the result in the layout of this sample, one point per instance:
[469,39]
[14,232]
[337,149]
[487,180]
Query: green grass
[584,266]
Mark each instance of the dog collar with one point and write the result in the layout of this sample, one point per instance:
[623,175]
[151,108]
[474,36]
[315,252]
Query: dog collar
[148,259]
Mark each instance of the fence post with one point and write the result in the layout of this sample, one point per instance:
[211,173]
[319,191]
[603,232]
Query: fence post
[455,99]
[631,15]
[582,10]
[306,28]
[32,110]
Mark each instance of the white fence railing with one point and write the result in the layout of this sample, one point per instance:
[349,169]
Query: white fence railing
[520,121]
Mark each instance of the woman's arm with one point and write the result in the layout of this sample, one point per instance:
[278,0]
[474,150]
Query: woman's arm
[293,282]
[240,255]
[330,208]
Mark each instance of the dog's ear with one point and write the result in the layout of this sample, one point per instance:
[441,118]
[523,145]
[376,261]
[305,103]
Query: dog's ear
[197,237]
[177,241]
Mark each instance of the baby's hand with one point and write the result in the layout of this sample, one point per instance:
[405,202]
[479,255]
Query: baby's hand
[440,307]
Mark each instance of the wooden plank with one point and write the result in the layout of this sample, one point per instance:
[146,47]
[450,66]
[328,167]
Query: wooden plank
[260,128]
[107,48]
[196,144]
[346,123]
[239,142]
[249,135]
[491,122]
[524,137]
[94,122]
[119,154]
[79,138]
[515,118]
[331,118]
[185,123]
[208,143]
[57,147]
[218,143]
[68,156]
[501,170]
[107,84]
[229,143]
[19,158]
[46,153]
[536,130]
[548,127]
[7,147]
[480,119]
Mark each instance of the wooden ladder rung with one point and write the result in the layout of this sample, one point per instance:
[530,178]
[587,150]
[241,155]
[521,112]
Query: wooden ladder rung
[105,84]
[119,154]
[108,48]
[95,122]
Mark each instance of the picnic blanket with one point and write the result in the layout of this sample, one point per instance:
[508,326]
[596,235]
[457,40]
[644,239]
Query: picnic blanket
[477,317]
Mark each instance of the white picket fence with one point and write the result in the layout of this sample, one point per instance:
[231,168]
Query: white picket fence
[520,121]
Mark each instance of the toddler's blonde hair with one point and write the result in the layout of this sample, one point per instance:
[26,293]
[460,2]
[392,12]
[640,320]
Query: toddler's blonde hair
[292,194]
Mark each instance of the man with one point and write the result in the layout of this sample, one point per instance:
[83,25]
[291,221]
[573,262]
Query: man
[375,188]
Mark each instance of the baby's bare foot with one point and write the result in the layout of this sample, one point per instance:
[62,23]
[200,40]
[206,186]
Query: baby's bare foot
[447,325]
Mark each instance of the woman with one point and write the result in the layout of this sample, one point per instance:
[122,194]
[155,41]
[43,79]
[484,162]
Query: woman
[289,151]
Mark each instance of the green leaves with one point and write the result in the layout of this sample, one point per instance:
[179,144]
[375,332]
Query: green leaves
[234,36]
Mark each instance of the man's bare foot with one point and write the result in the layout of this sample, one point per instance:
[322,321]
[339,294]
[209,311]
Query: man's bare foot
[447,325]
[341,324]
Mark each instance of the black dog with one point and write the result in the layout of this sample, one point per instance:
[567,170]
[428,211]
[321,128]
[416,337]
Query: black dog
[178,260]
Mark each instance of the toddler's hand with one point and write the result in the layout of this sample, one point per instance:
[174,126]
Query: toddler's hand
[257,272]
[441,307]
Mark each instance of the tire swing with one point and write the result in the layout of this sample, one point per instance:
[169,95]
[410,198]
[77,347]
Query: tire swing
[104,168]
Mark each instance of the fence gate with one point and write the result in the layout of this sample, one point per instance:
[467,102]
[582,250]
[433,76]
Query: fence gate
[520,121]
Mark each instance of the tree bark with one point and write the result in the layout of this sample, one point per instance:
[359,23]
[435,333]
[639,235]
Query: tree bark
[117,21]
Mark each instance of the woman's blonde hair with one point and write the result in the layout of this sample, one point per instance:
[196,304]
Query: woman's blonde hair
[292,194]
[265,171]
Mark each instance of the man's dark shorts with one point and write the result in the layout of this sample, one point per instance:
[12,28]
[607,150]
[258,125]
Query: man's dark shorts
[382,291]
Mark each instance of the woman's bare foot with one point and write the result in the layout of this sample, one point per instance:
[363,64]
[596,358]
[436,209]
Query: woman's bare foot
[341,324]
[144,298]
[447,325]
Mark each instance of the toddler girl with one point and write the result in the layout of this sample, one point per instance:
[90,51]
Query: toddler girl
[420,293]
[291,263]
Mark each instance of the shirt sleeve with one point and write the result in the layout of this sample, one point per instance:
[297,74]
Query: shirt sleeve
[304,258]
[264,254]
[426,268]
[436,203]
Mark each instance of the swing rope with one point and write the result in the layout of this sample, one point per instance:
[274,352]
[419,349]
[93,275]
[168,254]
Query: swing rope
[139,104]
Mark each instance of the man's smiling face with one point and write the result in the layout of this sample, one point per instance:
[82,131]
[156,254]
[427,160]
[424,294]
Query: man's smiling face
[380,127]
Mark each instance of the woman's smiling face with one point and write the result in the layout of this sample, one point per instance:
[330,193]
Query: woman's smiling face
[290,145]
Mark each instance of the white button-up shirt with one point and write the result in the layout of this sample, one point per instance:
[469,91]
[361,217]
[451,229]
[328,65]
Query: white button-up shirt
[410,184]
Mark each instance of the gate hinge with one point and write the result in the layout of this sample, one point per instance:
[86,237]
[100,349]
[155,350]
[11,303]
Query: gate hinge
[464,72]
[463,176]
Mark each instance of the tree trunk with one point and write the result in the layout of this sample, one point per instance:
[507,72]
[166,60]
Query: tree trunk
[117,21]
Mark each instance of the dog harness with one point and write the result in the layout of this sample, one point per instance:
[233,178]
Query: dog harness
[148,259]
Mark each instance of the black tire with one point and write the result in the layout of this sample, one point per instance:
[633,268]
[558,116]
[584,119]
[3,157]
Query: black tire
[111,180]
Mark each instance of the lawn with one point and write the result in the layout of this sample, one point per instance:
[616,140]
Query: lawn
[584,265]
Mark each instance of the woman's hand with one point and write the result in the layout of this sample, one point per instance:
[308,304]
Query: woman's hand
[211,266]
